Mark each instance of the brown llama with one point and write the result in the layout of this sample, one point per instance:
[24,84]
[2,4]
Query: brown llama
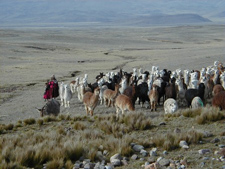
[123,103]
[110,95]
[153,97]
[217,88]
[90,101]
[219,100]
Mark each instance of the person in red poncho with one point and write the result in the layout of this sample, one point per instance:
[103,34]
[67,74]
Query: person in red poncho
[52,89]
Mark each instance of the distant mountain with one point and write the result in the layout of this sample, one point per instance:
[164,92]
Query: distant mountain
[126,12]
[170,19]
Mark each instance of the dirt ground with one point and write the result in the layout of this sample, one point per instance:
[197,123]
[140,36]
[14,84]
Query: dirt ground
[30,56]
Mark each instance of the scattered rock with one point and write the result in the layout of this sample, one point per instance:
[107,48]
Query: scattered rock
[183,144]
[115,160]
[177,130]
[162,123]
[144,153]
[207,134]
[134,157]
[151,159]
[164,162]
[215,140]
[116,156]
[153,152]
[221,146]
[204,151]
[138,148]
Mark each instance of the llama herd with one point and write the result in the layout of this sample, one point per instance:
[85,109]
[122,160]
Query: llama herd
[171,89]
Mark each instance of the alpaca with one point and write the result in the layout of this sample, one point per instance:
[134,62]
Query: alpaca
[170,106]
[110,95]
[153,96]
[61,93]
[52,107]
[181,92]
[123,103]
[196,103]
[90,101]
[67,95]
[124,85]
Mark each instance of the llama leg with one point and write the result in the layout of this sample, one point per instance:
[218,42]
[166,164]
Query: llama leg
[68,104]
[86,108]
[91,112]
[109,102]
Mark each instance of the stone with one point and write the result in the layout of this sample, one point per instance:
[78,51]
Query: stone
[215,140]
[144,153]
[164,162]
[151,160]
[132,144]
[205,158]
[207,134]
[124,162]
[221,146]
[162,123]
[183,143]
[88,166]
[105,152]
[204,151]
[165,152]
[115,162]
[134,157]
[153,152]
[116,156]
[138,148]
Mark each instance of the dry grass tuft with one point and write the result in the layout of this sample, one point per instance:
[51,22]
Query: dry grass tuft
[209,115]
[55,163]
[40,122]
[49,119]
[29,121]
[171,141]
[136,121]
[191,112]
[79,126]
[9,127]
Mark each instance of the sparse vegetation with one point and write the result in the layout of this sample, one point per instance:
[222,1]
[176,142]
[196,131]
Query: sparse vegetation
[29,121]
[210,115]
[82,136]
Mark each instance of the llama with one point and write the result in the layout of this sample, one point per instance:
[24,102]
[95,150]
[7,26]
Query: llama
[181,92]
[110,95]
[193,84]
[61,93]
[196,103]
[219,100]
[153,97]
[170,106]
[186,76]
[52,107]
[124,85]
[74,84]
[67,95]
[170,90]
[90,101]
[191,93]
[217,88]
[102,89]
[123,103]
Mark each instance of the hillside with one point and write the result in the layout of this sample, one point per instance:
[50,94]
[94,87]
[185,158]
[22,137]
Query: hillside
[109,12]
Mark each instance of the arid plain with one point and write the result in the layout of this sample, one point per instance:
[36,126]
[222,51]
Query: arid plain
[30,56]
